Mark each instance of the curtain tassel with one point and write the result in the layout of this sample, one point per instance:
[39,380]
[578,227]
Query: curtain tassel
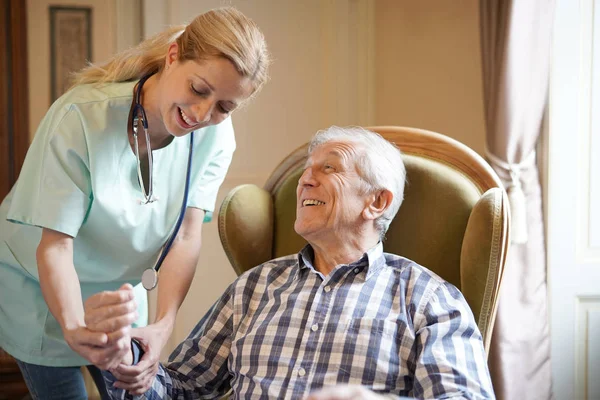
[516,196]
[518,211]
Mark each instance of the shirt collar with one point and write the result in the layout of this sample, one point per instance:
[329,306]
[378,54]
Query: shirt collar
[373,259]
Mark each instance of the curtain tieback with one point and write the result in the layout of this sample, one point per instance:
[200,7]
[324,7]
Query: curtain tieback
[516,196]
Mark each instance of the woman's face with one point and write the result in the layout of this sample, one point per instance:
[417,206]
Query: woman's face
[196,94]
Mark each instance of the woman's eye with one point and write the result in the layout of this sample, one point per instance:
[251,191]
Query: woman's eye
[198,92]
[223,109]
[329,167]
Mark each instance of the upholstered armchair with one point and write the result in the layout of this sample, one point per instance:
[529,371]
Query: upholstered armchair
[454,219]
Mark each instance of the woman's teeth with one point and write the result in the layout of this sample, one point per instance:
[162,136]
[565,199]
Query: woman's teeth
[186,119]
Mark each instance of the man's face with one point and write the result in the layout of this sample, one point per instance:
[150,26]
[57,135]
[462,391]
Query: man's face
[330,194]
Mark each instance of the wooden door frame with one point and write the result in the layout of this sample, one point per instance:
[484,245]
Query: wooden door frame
[14,136]
[14,96]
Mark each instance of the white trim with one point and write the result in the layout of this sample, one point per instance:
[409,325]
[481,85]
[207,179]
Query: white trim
[586,307]
[584,253]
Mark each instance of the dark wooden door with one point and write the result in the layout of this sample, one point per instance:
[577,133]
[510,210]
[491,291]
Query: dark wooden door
[14,121]
[14,130]
[14,138]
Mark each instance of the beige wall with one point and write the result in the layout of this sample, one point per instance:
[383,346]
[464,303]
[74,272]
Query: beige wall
[429,69]
[38,47]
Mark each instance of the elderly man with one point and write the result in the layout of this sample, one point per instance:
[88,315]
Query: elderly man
[341,319]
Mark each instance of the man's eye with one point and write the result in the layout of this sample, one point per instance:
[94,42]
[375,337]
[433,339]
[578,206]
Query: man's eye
[329,167]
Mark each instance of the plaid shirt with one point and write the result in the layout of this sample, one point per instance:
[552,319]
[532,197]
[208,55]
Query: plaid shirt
[283,329]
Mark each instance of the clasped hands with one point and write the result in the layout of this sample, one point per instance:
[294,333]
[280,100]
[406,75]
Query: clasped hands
[105,340]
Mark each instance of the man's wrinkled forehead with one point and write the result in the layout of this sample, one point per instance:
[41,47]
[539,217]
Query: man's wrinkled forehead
[331,154]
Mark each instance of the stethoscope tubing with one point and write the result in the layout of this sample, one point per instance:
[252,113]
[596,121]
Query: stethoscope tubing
[137,110]
[183,207]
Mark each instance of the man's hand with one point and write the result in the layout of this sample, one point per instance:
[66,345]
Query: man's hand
[344,392]
[110,313]
[138,379]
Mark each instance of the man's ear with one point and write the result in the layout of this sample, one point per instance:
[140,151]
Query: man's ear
[378,203]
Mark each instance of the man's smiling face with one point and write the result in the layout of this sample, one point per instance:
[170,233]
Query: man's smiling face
[331,194]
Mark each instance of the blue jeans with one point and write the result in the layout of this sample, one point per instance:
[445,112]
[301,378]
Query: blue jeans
[60,382]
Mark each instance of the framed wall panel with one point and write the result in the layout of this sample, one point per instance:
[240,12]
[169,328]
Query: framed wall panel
[70,45]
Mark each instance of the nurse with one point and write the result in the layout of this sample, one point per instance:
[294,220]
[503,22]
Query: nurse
[94,204]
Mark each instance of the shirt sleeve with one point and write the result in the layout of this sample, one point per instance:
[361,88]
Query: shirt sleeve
[206,186]
[54,188]
[450,359]
[197,368]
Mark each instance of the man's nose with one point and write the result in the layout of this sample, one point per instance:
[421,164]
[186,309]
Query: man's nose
[307,178]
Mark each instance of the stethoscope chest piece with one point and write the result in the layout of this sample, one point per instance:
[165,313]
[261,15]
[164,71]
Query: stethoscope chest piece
[149,279]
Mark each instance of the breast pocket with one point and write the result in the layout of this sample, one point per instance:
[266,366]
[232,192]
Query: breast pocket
[375,348]
[263,352]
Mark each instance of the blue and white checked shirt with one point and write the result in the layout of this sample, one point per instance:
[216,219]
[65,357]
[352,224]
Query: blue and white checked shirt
[282,330]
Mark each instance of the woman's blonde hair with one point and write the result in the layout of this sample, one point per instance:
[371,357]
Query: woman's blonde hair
[222,32]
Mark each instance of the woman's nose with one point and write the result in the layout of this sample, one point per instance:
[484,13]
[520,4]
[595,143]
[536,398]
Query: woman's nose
[203,112]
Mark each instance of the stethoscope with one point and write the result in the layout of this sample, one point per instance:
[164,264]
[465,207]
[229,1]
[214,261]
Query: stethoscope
[150,275]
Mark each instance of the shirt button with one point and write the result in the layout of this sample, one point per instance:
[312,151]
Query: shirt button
[301,371]
[356,270]
[315,327]
[327,289]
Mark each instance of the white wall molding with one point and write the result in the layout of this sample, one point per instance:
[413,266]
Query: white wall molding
[587,348]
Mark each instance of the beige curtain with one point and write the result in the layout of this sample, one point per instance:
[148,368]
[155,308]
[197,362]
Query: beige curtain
[515,43]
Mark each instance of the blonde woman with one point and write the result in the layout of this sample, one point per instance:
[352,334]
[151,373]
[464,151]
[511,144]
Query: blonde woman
[134,152]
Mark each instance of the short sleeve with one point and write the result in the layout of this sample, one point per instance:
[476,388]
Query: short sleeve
[54,189]
[219,151]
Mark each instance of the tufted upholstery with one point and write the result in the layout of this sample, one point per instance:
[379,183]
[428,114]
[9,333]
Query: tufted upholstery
[454,219]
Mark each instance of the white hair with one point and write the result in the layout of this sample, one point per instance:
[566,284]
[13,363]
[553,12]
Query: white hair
[380,165]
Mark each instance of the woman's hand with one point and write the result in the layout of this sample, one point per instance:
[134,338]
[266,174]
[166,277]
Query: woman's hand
[109,314]
[137,379]
[97,348]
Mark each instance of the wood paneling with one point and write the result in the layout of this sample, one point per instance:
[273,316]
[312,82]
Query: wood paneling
[14,130]
[20,87]
[14,137]
[5,153]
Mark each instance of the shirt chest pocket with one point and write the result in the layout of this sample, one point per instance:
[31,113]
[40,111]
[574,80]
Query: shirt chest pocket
[372,349]
[372,336]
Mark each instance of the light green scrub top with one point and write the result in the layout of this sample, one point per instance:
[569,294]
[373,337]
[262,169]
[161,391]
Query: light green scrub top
[80,178]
